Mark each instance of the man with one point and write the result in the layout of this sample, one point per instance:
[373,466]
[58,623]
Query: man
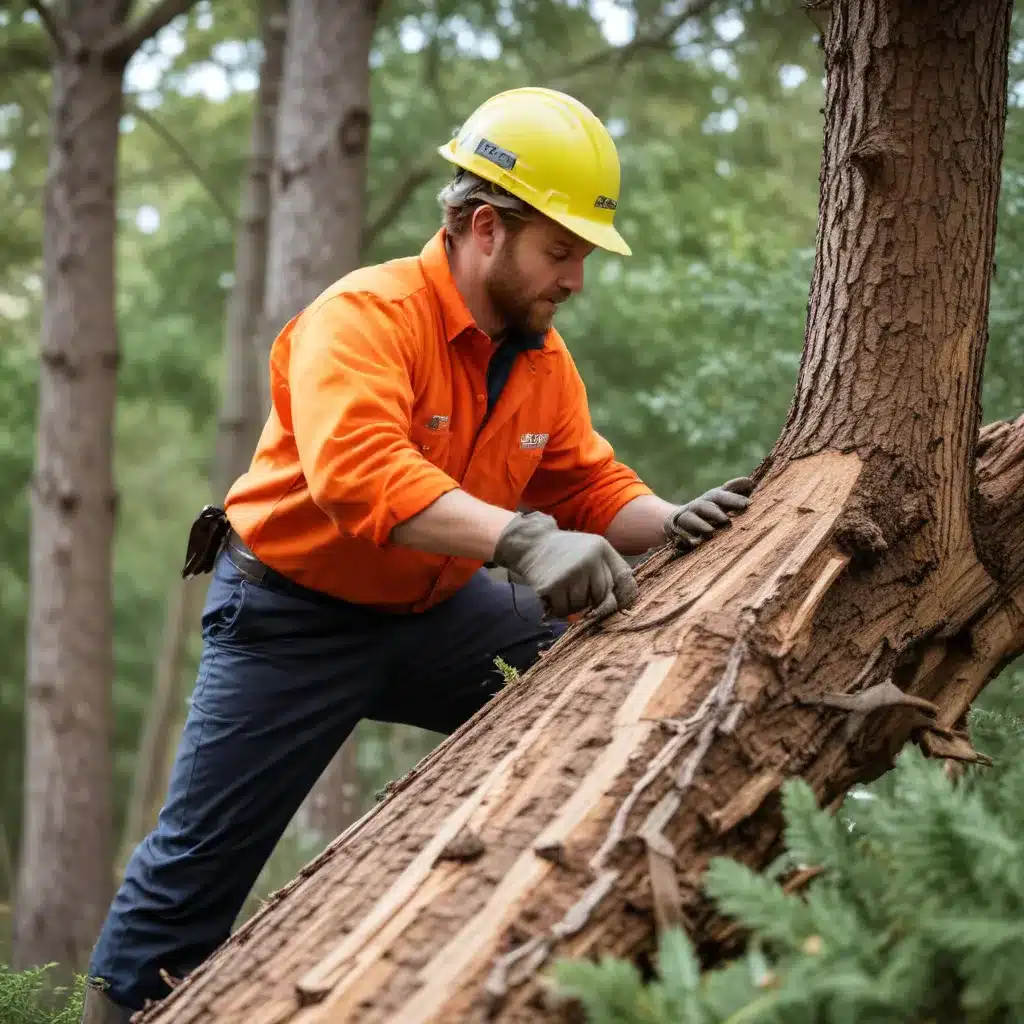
[416,406]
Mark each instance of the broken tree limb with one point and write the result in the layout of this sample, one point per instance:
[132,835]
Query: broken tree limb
[864,557]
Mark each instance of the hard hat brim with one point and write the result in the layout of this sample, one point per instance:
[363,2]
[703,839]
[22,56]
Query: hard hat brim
[604,236]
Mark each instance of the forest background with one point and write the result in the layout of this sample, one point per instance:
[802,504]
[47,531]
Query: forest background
[689,349]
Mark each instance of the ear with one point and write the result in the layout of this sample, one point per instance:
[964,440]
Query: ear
[486,228]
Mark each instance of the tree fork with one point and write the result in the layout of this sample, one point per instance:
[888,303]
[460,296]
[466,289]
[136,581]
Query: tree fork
[873,588]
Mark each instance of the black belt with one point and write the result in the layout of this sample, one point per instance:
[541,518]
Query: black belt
[255,571]
[250,567]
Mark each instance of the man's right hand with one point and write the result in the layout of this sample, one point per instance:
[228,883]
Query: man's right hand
[570,571]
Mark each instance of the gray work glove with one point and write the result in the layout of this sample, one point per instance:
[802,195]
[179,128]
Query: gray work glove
[570,571]
[693,522]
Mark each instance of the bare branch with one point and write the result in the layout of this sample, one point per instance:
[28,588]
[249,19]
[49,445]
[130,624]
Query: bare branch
[52,22]
[121,44]
[432,77]
[418,174]
[654,40]
[179,147]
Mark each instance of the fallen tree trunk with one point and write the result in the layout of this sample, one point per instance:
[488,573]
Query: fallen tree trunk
[873,588]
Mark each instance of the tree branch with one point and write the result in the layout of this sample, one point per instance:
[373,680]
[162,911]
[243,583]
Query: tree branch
[52,22]
[179,147]
[647,41]
[387,214]
[121,44]
[432,56]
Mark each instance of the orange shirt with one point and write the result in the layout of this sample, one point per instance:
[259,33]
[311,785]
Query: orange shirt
[379,395]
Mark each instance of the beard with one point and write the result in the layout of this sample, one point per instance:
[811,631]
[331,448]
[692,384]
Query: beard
[520,307]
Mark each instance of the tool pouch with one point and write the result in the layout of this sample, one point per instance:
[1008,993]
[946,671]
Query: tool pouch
[205,540]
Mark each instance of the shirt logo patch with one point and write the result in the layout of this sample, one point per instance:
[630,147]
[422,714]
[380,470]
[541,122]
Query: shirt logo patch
[533,440]
[437,423]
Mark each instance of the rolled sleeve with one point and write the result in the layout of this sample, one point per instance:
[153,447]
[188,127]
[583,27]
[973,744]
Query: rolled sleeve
[350,379]
[579,481]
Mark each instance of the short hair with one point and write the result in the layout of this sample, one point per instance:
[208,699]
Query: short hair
[467,191]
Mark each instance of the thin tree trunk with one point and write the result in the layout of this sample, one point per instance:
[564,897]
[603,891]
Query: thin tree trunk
[317,223]
[856,605]
[64,879]
[241,414]
[238,429]
[334,803]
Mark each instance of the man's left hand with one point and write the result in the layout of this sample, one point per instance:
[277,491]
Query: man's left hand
[697,520]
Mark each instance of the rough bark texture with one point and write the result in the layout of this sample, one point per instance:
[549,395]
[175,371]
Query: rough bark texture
[323,135]
[64,876]
[317,225]
[63,887]
[238,430]
[852,608]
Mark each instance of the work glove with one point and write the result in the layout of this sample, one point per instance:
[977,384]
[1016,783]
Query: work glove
[570,571]
[697,520]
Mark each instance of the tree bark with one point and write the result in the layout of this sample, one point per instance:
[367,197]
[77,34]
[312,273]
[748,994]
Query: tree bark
[241,415]
[323,136]
[872,589]
[64,886]
[316,233]
[238,428]
[64,878]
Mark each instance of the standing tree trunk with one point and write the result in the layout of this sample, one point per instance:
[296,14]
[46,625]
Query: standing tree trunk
[241,415]
[317,218]
[238,430]
[872,589]
[64,879]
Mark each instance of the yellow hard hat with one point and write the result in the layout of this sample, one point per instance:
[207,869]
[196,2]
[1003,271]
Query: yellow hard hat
[550,151]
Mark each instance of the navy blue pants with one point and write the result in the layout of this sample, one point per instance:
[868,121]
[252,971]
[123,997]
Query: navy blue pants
[283,679]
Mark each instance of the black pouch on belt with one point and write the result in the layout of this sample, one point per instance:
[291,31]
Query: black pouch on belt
[205,539]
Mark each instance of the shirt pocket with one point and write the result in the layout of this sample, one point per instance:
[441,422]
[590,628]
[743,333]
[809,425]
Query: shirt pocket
[520,465]
[434,445]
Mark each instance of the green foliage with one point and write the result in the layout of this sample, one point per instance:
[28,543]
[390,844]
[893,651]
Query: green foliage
[917,913]
[509,673]
[30,997]
[613,992]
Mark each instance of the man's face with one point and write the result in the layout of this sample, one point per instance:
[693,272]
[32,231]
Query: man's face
[533,270]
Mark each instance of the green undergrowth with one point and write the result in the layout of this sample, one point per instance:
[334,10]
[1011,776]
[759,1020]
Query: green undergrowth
[35,997]
[916,918]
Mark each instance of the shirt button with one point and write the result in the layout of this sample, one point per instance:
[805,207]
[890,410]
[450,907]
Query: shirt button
[480,398]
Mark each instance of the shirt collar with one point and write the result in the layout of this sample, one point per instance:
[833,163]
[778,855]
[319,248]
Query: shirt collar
[454,312]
